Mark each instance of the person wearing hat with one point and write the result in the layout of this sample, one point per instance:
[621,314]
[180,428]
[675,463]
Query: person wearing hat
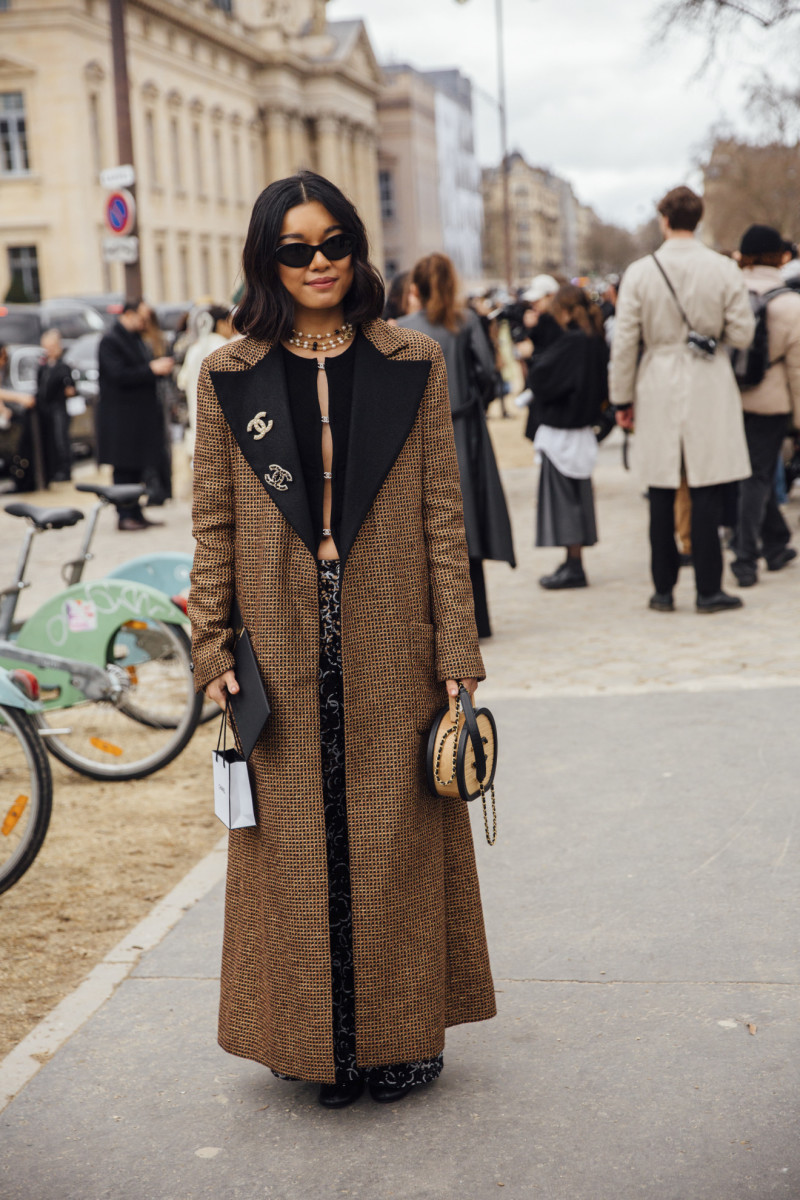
[762,531]
[543,330]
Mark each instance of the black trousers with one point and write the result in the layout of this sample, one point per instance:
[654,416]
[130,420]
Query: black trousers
[707,503]
[55,436]
[761,528]
[129,475]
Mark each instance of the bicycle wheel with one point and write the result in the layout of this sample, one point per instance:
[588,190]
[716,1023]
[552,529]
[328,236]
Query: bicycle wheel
[26,794]
[152,721]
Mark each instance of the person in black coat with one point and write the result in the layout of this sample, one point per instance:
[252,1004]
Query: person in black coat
[570,388]
[130,421]
[470,373]
[54,385]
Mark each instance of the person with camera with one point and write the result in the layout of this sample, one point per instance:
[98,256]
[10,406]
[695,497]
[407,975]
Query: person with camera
[669,373]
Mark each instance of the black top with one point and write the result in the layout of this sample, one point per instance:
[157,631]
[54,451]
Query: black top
[570,380]
[51,383]
[544,334]
[301,382]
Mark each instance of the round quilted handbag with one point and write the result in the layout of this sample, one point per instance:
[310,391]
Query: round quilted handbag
[463,742]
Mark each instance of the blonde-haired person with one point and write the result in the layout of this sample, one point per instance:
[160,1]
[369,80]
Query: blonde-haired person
[570,387]
[470,373]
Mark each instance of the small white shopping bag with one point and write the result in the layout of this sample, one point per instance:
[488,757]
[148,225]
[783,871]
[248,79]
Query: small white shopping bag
[233,798]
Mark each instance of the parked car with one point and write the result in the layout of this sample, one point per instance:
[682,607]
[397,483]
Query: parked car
[24,324]
[108,305]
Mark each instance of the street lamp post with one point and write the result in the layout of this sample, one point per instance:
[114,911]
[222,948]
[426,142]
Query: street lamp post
[501,100]
[504,164]
[133,271]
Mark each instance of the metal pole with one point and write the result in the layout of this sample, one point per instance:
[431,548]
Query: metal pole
[501,94]
[133,271]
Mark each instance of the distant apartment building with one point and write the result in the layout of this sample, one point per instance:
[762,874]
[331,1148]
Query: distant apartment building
[460,199]
[224,98]
[548,226]
[408,168]
[429,176]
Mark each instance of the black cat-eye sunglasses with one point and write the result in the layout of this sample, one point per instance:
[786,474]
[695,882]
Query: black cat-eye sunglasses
[301,254]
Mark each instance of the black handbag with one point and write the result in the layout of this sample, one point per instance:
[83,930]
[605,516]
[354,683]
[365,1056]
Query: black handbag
[250,706]
[465,739]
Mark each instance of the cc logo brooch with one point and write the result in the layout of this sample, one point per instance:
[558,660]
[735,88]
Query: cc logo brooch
[258,427]
[279,478]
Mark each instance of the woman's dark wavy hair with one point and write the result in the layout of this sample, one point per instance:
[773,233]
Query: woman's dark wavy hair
[266,309]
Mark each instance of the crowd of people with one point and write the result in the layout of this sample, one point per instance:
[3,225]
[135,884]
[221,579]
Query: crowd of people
[697,352]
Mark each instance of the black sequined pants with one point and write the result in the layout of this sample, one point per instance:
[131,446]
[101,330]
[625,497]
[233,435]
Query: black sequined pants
[331,707]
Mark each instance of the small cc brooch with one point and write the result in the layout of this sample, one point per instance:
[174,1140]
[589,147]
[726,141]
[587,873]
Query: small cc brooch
[258,427]
[279,478]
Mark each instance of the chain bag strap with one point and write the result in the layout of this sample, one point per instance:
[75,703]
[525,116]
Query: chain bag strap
[462,703]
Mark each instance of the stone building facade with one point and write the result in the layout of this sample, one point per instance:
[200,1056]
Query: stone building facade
[460,199]
[226,95]
[408,168]
[549,226]
[430,181]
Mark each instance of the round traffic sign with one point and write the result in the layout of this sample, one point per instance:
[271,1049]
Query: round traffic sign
[120,211]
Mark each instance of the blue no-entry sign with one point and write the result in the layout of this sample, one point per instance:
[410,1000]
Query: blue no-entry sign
[120,211]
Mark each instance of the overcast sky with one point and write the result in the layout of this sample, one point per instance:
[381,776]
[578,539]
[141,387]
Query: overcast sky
[589,93]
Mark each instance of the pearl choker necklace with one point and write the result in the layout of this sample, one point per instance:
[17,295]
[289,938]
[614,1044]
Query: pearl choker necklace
[322,341]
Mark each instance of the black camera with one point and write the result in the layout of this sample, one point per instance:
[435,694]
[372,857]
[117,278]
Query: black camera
[703,347]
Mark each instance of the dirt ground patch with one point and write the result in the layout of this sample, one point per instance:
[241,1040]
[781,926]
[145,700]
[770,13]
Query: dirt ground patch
[112,851]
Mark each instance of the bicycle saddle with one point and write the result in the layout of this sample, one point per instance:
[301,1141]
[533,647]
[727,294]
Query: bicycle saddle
[46,518]
[113,493]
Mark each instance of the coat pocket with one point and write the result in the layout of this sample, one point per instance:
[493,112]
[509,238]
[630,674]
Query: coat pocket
[427,694]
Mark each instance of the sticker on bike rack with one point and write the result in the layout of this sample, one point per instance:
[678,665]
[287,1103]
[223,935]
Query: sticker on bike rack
[81,615]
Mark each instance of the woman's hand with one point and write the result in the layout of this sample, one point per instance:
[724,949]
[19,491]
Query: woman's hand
[469,684]
[219,688]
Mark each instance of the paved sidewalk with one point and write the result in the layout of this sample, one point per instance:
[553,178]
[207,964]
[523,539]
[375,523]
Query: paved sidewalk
[641,905]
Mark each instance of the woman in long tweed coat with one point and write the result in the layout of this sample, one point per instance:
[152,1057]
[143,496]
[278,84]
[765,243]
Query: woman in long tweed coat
[327,502]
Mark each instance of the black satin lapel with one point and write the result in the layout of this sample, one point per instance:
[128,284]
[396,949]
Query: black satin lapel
[386,400]
[260,396]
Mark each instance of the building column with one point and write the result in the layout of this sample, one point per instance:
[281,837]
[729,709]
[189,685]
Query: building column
[329,156]
[298,140]
[366,171]
[280,154]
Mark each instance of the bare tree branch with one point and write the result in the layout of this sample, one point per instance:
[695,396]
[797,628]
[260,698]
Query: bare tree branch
[714,12]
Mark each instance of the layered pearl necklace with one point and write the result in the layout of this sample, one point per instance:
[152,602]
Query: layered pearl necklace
[322,341]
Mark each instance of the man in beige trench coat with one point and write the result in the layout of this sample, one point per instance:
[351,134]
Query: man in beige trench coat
[687,406]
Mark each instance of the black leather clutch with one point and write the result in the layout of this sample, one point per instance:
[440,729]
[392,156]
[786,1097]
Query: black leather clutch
[250,706]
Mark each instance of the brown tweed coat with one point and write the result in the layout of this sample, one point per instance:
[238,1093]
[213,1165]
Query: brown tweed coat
[421,960]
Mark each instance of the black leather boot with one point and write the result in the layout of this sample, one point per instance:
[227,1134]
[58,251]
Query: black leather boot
[569,575]
[719,602]
[382,1094]
[339,1095]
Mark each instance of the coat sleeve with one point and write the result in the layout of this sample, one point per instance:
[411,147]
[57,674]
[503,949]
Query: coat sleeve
[458,654]
[792,364]
[740,324]
[116,369]
[627,340]
[212,587]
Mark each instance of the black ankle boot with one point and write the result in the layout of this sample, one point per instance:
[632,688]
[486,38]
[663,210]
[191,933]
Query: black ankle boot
[382,1094]
[339,1095]
[569,575]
